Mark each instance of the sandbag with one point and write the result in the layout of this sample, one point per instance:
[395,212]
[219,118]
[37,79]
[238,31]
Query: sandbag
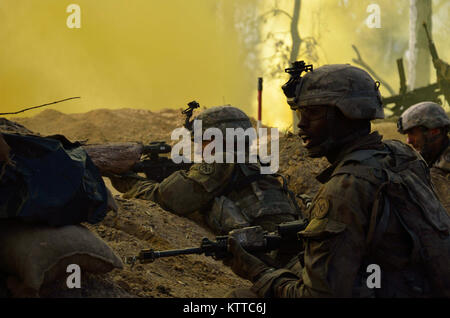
[37,254]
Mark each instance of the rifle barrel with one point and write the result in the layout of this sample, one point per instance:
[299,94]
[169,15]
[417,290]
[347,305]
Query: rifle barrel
[151,255]
[169,253]
[431,46]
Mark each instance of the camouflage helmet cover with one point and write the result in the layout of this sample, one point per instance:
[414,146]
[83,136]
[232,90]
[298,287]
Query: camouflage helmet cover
[349,88]
[223,117]
[427,114]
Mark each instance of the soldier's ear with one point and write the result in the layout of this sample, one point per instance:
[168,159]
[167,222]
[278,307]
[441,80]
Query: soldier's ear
[434,132]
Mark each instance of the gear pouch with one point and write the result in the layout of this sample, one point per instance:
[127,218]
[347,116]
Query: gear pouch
[225,216]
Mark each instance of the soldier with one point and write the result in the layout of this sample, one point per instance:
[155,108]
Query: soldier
[375,206]
[427,126]
[229,195]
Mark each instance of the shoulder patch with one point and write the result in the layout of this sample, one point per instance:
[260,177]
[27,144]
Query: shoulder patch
[206,168]
[320,208]
[443,162]
[447,157]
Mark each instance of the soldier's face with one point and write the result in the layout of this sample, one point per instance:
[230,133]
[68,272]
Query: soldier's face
[416,138]
[313,127]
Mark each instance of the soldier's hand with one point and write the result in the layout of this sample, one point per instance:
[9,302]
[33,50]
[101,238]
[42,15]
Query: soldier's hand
[123,183]
[243,263]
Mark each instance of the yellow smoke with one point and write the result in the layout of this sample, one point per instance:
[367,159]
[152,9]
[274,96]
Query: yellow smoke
[162,54]
[128,53]
[336,25]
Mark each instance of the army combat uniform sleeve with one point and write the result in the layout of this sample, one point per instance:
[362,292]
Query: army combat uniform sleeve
[334,244]
[440,176]
[184,192]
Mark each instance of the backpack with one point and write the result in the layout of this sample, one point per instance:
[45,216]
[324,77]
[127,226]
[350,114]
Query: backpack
[406,192]
[52,181]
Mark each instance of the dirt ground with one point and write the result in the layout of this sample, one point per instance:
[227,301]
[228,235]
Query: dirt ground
[143,224]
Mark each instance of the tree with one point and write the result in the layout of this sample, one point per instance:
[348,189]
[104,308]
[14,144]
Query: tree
[419,55]
[285,52]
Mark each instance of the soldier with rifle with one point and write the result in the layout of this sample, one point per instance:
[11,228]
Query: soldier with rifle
[228,195]
[376,204]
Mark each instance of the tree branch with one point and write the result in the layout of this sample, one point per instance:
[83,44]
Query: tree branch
[361,62]
[23,110]
[275,11]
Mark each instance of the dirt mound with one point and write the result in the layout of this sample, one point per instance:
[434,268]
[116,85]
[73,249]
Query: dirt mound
[105,125]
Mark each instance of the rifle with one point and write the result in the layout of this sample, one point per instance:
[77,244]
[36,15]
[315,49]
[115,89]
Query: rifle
[427,93]
[253,239]
[433,51]
[442,79]
[405,99]
[126,159]
[119,159]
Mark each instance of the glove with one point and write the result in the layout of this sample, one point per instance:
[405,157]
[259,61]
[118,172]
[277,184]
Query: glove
[124,183]
[243,263]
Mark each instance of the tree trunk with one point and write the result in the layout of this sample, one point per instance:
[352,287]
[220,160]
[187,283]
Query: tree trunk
[295,35]
[296,42]
[419,55]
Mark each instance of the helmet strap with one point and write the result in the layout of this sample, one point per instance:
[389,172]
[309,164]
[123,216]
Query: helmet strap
[332,145]
[432,148]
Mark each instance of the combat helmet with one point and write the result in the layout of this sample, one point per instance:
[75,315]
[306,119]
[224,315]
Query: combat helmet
[223,117]
[426,114]
[349,88]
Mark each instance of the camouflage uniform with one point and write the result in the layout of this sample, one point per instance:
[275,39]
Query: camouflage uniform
[431,115]
[350,226]
[203,188]
[229,195]
[440,176]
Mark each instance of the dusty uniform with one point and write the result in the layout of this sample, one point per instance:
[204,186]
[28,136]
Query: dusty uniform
[345,235]
[440,176]
[228,195]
